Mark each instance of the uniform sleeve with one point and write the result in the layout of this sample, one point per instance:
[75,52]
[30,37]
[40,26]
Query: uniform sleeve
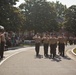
[3,38]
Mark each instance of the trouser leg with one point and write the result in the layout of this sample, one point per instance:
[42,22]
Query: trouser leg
[54,50]
[47,49]
[50,49]
[44,49]
[37,45]
[63,51]
[2,50]
[62,47]
[2,54]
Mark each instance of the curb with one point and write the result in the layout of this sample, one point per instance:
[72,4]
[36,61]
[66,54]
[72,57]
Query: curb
[73,51]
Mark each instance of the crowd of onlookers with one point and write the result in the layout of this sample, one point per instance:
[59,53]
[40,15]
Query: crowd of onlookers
[15,39]
[12,39]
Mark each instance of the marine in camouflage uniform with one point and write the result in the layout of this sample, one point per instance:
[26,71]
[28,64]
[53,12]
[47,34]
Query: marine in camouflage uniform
[53,45]
[37,39]
[45,39]
[61,45]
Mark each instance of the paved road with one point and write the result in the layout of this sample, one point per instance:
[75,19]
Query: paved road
[24,62]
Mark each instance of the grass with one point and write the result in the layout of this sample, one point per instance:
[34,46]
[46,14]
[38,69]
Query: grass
[74,50]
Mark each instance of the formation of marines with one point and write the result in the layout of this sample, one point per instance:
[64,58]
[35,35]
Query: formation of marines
[52,41]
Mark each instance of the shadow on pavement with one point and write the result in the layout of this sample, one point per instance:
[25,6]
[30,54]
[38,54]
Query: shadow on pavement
[66,57]
[39,56]
[57,58]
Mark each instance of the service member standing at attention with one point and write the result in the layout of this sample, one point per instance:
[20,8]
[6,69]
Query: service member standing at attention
[53,45]
[2,41]
[61,45]
[45,39]
[37,39]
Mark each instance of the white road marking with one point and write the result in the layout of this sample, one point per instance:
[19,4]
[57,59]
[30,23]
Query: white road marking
[16,52]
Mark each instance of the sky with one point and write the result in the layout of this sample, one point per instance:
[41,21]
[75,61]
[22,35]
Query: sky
[68,3]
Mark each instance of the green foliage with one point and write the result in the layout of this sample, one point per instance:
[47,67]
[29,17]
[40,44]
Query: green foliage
[40,15]
[10,17]
[59,9]
[8,2]
[70,22]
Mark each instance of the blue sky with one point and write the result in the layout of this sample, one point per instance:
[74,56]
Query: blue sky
[68,3]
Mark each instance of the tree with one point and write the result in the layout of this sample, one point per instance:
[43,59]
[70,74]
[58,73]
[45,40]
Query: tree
[70,19]
[59,9]
[40,15]
[10,17]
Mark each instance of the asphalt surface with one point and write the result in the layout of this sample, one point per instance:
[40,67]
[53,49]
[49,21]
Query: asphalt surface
[24,62]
